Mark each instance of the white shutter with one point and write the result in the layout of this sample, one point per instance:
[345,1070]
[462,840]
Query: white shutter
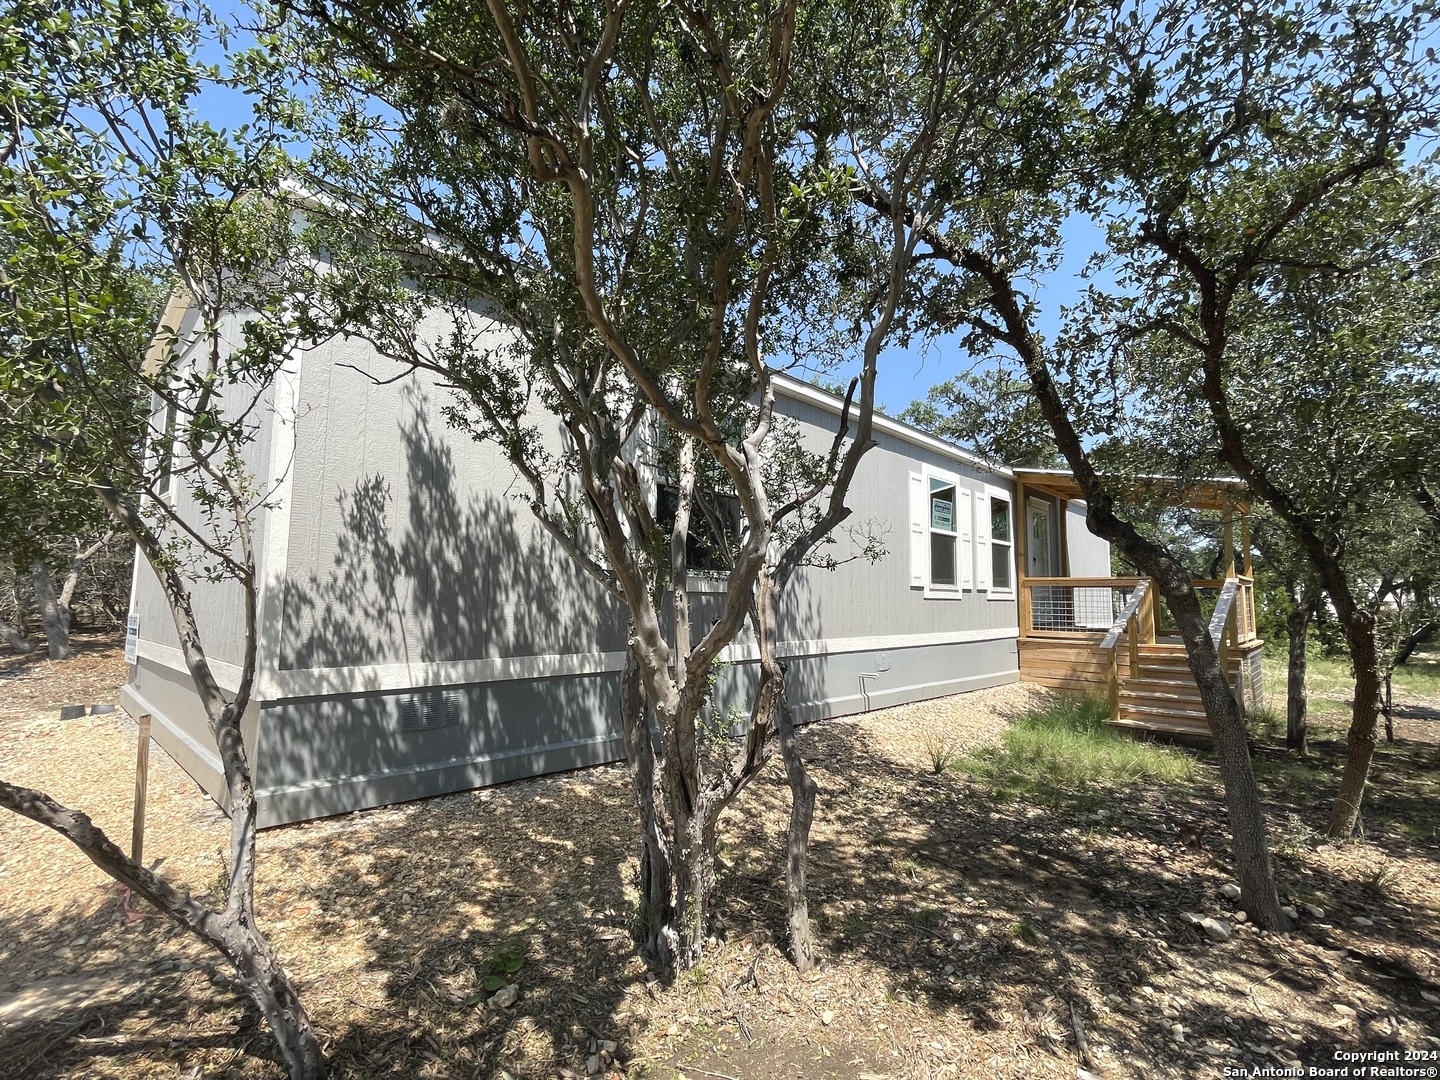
[965,541]
[919,556]
[982,540]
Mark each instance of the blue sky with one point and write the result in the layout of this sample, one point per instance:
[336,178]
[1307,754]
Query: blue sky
[905,374]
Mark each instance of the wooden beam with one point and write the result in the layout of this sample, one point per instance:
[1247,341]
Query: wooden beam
[1246,554]
[1112,684]
[142,787]
[1060,523]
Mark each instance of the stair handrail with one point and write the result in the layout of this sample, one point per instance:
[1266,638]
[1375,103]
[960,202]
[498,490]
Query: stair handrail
[1136,599]
[1223,606]
[1222,634]
[1107,647]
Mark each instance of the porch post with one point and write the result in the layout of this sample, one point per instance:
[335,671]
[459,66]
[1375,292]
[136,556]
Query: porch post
[1245,553]
[1229,542]
[1024,598]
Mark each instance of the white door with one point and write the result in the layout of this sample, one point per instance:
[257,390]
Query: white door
[1047,602]
[1037,541]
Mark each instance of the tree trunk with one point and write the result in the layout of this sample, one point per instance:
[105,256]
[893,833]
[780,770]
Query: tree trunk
[1297,626]
[653,919]
[233,935]
[1258,895]
[1412,641]
[677,842]
[271,990]
[233,929]
[692,814]
[1365,711]
[53,616]
[16,640]
[1388,707]
[803,791]
[695,886]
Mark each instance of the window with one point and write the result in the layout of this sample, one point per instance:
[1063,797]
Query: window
[1001,545]
[995,543]
[943,536]
[941,552]
[165,475]
[714,527]
[960,540]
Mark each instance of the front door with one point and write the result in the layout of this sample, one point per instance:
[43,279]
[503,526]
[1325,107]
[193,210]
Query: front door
[1037,541]
[1047,602]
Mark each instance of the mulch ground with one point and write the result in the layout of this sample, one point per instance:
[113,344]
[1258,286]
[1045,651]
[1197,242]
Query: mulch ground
[961,936]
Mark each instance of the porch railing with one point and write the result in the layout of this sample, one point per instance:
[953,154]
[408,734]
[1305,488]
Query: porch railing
[1128,624]
[1065,606]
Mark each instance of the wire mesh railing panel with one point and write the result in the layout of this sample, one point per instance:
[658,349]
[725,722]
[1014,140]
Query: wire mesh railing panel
[1077,608]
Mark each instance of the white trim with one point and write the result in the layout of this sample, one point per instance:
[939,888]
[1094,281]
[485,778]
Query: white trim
[737,651]
[813,395]
[919,548]
[135,562]
[205,753]
[270,620]
[852,706]
[384,678]
[705,585]
[227,675]
[965,500]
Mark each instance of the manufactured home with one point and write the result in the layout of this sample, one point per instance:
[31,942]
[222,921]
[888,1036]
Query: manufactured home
[421,634]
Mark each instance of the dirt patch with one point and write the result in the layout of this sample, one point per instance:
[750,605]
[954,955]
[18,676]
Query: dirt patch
[961,936]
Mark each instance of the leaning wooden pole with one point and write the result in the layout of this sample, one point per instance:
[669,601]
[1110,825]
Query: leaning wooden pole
[142,788]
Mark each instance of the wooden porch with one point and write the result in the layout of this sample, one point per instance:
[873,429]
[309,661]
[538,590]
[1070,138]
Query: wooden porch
[1113,637]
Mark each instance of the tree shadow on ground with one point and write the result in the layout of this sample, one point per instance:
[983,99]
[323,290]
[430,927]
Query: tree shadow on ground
[977,909]
[964,917]
[101,994]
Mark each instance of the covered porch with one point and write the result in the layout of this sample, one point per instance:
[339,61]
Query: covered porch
[1114,636]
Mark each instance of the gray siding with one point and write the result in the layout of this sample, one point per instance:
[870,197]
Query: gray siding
[324,756]
[838,684]
[218,607]
[1089,554]
[180,724]
[405,545]
[860,599]
[414,590]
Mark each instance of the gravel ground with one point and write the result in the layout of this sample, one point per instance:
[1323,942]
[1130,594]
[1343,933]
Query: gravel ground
[961,936]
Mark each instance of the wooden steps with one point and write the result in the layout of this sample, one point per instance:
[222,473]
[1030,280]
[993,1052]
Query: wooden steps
[1162,697]
[1159,697]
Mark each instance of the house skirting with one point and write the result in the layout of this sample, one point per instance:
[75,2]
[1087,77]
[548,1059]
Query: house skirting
[342,751]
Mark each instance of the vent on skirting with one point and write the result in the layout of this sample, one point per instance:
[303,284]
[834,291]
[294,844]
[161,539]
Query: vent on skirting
[424,712]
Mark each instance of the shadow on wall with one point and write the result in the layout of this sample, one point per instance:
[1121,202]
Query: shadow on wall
[461,575]
[434,566]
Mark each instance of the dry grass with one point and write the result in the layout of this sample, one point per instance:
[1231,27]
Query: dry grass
[956,932]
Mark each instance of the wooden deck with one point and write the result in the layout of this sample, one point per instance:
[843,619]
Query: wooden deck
[1111,636]
[1139,668]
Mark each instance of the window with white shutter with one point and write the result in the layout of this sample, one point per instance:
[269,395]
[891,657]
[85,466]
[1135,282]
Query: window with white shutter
[1000,558]
[942,534]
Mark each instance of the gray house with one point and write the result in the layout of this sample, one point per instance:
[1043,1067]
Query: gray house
[421,634]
